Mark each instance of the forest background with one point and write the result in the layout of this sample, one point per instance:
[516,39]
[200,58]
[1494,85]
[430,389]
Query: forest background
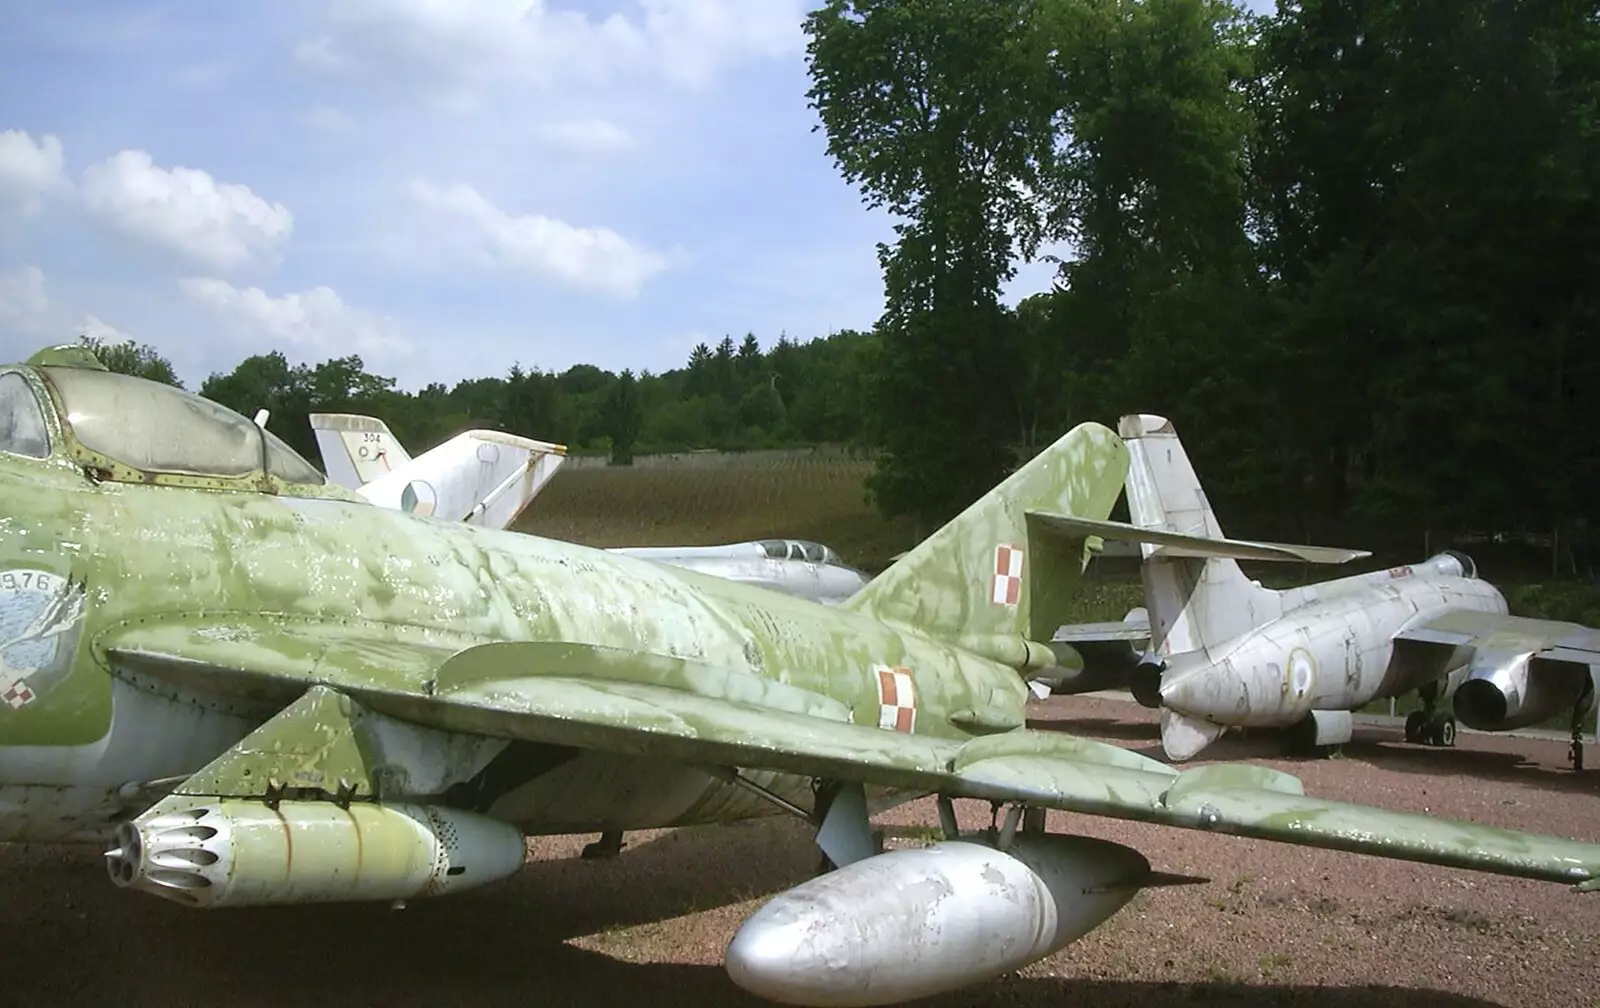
[1349,248]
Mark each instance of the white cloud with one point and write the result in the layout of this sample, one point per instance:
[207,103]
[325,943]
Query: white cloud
[588,136]
[593,257]
[22,299]
[316,318]
[459,43]
[220,225]
[28,171]
[93,328]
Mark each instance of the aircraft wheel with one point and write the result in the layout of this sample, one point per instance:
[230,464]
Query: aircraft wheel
[1444,732]
[1416,723]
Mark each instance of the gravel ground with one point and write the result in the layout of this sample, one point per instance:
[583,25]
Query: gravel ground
[1277,925]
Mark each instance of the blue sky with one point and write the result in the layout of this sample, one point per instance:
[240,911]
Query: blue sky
[441,186]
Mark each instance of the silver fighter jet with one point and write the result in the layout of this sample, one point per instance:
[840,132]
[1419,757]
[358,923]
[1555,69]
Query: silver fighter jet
[1215,650]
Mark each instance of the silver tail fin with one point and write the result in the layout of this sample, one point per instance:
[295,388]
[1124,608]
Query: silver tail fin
[1194,602]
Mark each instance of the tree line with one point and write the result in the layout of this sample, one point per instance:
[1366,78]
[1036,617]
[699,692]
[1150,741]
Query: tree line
[731,397]
[1347,247]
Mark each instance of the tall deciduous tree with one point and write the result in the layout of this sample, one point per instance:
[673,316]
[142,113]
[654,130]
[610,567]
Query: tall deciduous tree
[931,107]
[1147,182]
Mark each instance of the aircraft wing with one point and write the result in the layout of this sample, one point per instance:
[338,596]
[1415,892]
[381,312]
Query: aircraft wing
[1549,640]
[580,695]
[1177,544]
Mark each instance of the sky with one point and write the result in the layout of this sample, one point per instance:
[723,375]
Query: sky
[444,187]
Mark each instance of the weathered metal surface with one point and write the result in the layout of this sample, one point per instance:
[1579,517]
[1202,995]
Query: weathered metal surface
[911,923]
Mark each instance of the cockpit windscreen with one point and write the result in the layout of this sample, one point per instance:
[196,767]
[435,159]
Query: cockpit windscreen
[152,427]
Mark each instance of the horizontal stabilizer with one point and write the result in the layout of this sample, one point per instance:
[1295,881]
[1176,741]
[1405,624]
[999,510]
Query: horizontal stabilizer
[1176,544]
[1096,633]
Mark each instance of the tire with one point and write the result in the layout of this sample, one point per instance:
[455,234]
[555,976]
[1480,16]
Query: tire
[1444,733]
[1415,722]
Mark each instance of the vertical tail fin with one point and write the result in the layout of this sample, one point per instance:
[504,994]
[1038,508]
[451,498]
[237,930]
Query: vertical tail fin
[1193,602]
[356,449]
[993,580]
[480,477]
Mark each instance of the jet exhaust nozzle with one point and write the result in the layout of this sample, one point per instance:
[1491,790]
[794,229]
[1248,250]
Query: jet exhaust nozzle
[1480,704]
[1500,693]
[911,923]
[1144,682]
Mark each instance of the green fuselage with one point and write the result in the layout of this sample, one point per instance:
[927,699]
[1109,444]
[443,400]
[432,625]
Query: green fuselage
[82,741]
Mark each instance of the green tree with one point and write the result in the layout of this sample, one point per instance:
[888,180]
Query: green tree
[127,357]
[1428,181]
[623,417]
[1148,182]
[934,108]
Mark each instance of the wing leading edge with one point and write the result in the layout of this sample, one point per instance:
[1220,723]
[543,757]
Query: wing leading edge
[576,694]
[1474,628]
[1177,544]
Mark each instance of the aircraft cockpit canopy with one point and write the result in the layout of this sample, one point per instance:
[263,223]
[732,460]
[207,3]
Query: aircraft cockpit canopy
[22,426]
[1468,567]
[799,549]
[155,428]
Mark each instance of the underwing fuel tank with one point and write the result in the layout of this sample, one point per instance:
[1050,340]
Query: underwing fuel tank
[229,852]
[910,923]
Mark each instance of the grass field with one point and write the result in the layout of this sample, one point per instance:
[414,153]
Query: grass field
[818,499]
[823,499]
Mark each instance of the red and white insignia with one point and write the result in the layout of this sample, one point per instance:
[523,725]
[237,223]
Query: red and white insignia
[1007,587]
[17,694]
[897,698]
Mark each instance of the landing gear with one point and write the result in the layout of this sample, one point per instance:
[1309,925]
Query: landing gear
[608,846]
[1580,712]
[1444,732]
[1430,726]
[1414,724]
[1436,729]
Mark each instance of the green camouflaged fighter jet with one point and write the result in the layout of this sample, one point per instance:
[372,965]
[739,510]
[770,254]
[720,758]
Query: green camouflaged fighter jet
[257,688]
